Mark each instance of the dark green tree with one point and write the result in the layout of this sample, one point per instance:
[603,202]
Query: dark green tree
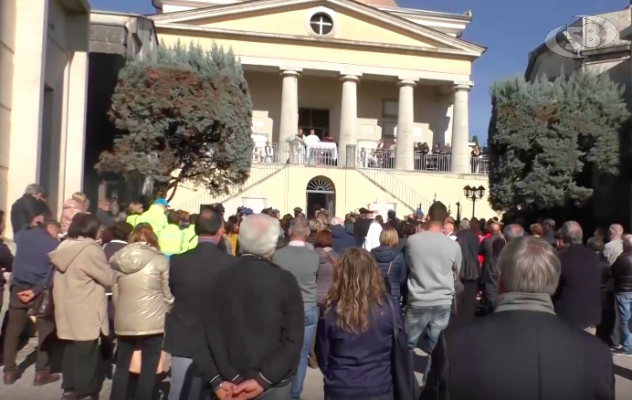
[545,137]
[475,139]
[186,117]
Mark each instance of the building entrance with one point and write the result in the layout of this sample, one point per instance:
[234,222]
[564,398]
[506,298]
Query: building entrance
[321,194]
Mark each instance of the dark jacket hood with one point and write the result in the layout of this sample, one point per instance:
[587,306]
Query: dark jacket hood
[385,254]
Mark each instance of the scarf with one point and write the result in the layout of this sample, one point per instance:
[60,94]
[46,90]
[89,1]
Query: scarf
[515,301]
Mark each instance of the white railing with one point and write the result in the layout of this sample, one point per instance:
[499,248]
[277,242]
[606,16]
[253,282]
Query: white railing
[258,173]
[393,185]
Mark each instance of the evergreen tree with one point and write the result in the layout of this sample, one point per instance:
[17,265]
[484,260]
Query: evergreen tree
[475,140]
[544,136]
[185,117]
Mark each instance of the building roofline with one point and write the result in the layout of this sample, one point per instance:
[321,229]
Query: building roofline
[426,13]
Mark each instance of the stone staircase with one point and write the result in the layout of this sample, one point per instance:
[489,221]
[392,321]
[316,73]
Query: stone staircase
[258,174]
[392,185]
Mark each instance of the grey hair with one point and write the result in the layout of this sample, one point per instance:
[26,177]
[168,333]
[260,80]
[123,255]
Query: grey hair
[529,265]
[336,221]
[300,227]
[627,242]
[571,233]
[512,232]
[258,235]
[34,188]
[465,224]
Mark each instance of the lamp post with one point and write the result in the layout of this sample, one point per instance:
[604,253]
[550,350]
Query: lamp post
[474,193]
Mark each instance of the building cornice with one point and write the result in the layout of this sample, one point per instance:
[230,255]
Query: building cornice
[369,11]
[344,43]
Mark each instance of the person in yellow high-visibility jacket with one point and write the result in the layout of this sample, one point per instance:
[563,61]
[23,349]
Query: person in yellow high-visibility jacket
[155,216]
[134,211]
[172,239]
[189,232]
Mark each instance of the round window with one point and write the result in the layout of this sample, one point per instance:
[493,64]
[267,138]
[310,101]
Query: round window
[321,23]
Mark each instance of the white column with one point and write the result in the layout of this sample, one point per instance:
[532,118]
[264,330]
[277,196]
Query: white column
[404,150]
[76,86]
[289,107]
[460,129]
[29,60]
[348,117]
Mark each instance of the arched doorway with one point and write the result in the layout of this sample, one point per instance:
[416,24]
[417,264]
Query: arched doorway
[321,193]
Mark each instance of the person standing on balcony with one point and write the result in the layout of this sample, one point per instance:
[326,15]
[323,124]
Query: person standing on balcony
[476,158]
[268,152]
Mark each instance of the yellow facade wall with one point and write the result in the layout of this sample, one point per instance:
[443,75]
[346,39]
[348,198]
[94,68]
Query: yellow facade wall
[321,51]
[350,26]
[287,189]
[8,11]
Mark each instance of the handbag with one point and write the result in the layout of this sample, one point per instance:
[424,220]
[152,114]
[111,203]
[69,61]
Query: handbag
[43,305]
[405,385]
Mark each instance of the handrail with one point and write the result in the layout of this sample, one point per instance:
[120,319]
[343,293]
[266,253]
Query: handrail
[258,173]
[396,188]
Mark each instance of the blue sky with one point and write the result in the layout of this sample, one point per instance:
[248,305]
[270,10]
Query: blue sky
[510,29]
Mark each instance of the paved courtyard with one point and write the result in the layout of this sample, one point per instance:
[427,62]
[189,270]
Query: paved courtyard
[23,389]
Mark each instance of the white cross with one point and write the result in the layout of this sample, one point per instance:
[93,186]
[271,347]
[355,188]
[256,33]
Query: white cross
[320,22]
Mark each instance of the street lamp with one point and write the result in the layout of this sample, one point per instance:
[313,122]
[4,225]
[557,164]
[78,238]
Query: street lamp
[474,193]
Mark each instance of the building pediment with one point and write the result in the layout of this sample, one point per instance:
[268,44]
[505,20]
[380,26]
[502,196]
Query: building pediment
[337,21]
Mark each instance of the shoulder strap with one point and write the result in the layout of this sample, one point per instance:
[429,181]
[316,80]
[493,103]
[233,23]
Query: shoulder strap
[328,257]
[395,333]
[389,269]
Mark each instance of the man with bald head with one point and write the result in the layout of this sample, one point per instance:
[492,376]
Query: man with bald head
[614,247]
[578,297]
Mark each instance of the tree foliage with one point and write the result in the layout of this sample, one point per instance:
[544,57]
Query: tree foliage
[545,136]
[475,139]
[185,117]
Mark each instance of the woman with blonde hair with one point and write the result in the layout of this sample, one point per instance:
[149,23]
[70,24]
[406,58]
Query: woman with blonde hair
[391,261]
[77,204]
[355,332]
[134,210]
[141,299]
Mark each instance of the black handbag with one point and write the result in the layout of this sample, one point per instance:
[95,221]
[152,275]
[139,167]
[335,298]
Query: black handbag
[43,305]
[405,385]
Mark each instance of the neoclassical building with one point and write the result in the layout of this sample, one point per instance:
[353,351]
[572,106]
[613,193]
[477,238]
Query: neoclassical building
[373,81]
[44,48]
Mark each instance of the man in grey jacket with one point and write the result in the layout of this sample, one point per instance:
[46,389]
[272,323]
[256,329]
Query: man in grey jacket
[435,261]
[303,263]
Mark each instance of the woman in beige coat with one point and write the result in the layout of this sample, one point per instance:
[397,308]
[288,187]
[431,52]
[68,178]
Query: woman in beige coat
[141,300]
[82,276]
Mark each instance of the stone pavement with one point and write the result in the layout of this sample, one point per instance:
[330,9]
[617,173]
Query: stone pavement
[23,390]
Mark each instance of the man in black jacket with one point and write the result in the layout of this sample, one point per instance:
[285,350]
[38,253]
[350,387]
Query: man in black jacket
[622,276]
[30,204]
[470,271]
[522,351]
[191,274]
[253,320]
[361,227]
[578,297]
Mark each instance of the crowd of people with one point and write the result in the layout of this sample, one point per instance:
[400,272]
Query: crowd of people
[245,304]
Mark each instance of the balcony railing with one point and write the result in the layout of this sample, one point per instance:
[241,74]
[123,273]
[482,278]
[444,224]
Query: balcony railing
[326,154]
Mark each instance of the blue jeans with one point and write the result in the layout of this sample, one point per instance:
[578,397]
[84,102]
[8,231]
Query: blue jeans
[624,306]
[311,321]
[432,320]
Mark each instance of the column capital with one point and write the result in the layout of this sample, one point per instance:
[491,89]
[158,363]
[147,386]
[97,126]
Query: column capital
[291,71]
[406,82]
[463,85]
[354,77]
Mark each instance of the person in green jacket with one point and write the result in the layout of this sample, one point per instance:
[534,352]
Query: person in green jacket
[134,211]
[155,216]
[172,239]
